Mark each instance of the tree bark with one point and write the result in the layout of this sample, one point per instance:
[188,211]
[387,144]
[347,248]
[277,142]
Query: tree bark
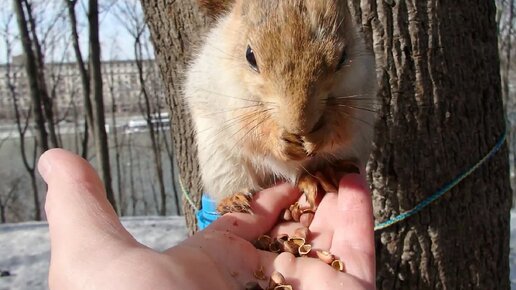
[101,138]
[176,27]
[438,71]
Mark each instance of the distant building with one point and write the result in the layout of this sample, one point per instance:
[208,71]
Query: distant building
[121,83]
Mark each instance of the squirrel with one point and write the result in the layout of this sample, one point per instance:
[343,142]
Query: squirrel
[281,90]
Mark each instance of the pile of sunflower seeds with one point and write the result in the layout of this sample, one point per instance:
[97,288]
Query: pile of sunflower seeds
[296,245]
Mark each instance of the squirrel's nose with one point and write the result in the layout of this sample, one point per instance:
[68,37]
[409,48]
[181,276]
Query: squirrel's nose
[305,130]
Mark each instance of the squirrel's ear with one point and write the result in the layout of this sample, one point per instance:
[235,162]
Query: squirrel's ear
[215,8]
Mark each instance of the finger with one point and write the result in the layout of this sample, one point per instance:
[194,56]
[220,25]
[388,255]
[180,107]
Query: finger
[310,273]
[353,239]
[266,207]
[321,228]
[233,256]
[78,212]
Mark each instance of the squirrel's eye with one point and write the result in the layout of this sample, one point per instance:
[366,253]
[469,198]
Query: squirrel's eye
[343,60]
[251,59]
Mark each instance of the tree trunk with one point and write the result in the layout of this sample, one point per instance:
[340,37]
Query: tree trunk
[154,132]
[101,138]
[176,26]
[46,101]
[35,196]
[85,80]
[172,172]
[3,218]
[117,146]
[438,71]
[22,124]
[131,173]
[30,66]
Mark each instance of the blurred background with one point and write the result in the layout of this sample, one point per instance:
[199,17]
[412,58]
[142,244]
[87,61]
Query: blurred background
[136,122]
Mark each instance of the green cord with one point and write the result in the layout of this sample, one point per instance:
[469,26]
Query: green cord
[420,206]
[186,194]
[447,187]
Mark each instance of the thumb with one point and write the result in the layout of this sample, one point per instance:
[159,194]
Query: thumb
[79,216]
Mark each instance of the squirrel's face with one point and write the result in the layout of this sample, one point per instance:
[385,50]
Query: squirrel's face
[304,64]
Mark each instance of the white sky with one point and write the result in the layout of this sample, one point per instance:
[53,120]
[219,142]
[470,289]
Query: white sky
[116,42]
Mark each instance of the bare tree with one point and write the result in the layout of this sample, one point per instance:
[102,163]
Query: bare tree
[117,144]
[22,122]
[31,71]
[84,75]
[46,101]
[131,16]
[55,83]
[101,138]
[506,19]
[3,140]
[131,165]
[183,24]
[172,164]
[7,196]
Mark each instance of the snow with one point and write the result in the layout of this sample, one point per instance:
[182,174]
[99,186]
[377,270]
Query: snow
[25,248]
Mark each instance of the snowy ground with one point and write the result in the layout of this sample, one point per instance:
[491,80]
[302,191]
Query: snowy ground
[24,248]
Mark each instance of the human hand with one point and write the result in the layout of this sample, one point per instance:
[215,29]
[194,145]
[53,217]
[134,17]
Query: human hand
[90,249]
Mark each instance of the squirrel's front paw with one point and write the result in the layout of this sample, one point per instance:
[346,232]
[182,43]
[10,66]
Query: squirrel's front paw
[238,202]
[295,147]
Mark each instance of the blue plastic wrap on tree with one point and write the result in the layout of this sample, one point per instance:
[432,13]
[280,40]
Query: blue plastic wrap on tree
[208,212]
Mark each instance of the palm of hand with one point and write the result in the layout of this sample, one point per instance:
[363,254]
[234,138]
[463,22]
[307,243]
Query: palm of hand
[92,250]
[342,226]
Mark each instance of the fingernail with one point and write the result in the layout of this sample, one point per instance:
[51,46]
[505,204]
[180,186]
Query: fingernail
[44,167]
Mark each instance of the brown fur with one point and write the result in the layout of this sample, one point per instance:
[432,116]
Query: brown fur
[299,112]
[298,45]
[215,8]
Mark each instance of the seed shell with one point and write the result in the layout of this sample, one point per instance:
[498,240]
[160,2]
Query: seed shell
[325,256]
[291,247]
[305,249]
[253,286]
[275,246]
[338,265]
[277,278]
[283,287]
